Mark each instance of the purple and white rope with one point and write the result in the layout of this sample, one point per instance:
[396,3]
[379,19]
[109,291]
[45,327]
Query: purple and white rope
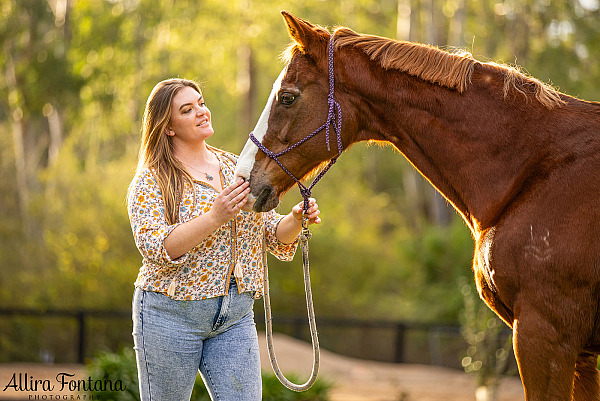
[334,111]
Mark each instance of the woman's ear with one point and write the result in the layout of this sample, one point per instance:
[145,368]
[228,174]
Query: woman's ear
[169,131]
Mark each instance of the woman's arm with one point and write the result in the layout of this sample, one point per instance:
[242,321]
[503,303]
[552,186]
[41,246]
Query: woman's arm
[189,234]
[290,226]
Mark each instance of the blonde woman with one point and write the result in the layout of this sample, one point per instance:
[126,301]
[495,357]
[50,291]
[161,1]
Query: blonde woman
[201,255]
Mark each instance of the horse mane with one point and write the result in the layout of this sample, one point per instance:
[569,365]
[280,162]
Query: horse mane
[451,70]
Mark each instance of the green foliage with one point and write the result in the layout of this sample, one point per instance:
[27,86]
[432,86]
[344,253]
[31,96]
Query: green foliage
[72,94]
[121,367]
[115,367]
[365,247]
[273,390]
[489,348]
[200,393]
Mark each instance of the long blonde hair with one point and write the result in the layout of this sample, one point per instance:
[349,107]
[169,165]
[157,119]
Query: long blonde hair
[156,149]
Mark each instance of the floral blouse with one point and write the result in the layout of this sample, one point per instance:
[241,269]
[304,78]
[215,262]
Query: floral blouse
[204,271]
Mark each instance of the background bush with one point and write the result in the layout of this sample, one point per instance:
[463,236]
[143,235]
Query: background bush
[122,366]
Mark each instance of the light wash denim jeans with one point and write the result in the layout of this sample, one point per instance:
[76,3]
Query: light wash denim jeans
[174,339]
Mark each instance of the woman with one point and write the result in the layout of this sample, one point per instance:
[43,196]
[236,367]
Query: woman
[202,256]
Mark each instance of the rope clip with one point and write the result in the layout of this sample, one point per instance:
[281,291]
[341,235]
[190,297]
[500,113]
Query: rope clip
[305,233]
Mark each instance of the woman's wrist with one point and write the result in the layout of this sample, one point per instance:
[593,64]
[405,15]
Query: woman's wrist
[288,229]
[297,217]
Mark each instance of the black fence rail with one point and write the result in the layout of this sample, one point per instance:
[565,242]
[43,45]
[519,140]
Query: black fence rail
[398,338]
[65,336]
[15,322]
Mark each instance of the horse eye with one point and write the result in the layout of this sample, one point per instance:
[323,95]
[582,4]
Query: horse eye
[287,98]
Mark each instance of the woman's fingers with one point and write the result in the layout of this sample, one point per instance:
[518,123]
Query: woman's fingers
[312,214]
[231,200]
[235,192]
[230,188]
[236,197]
[313,208]
[235,189]
[241,203]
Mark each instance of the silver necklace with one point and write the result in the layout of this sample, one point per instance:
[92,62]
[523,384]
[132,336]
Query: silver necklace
[208,176]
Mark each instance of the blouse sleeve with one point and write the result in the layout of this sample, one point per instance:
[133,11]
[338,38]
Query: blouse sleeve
[281,251]
[149,223]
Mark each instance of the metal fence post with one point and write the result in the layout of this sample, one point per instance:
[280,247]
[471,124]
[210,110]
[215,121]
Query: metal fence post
[400,334]
[81,342]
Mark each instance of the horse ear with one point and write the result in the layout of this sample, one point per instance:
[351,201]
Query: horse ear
[302,32]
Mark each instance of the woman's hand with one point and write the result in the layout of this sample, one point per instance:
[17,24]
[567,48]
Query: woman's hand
[312,213]
[189,234]
[230,201]
[290,226]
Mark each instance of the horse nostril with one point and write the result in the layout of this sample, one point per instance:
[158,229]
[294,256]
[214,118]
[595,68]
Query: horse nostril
[261,199]
[264,194]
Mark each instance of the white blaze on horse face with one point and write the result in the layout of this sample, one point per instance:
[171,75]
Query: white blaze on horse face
[246,160]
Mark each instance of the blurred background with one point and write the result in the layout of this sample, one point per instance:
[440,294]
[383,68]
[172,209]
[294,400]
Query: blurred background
[390,260]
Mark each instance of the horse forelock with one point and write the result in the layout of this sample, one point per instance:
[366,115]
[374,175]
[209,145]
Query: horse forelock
[451,70]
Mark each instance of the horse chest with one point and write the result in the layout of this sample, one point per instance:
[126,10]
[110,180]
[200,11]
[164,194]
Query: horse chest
[483,261]
[496,274]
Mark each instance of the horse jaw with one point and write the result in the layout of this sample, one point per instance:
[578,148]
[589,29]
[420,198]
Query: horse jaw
[245,163]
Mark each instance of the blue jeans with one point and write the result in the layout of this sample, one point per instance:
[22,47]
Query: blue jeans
[174,339]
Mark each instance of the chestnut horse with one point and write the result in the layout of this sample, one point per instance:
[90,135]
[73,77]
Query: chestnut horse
[519,161]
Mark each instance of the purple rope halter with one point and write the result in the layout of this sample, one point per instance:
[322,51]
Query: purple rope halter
[334,108]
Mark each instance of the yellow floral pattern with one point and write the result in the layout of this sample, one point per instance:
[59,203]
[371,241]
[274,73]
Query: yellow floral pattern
[204,271]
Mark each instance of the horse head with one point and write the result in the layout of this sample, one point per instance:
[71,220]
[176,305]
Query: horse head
[297,106]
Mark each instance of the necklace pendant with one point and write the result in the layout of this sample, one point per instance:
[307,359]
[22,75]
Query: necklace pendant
[208,177]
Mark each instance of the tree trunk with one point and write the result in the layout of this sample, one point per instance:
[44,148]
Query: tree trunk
[456,31]
[56,134]
[18,131]
[403,22]
[416,20]
[245,87]
[428,30]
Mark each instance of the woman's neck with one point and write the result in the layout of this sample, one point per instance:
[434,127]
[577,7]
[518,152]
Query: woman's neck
[196,155]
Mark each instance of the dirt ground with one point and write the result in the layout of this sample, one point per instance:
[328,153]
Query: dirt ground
[359,380]
[354,380]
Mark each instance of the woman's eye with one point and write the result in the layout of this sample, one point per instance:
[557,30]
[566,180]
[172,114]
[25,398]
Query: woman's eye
[187,111]
[287,98]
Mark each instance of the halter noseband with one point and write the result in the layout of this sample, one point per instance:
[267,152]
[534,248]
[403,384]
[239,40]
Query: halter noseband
[334,108]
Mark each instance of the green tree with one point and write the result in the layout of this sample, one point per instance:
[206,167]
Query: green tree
[76,75]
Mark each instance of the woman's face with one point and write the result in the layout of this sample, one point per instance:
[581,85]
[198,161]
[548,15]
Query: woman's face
[190,118]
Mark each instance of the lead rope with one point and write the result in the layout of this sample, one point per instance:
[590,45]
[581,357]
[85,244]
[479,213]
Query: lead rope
[334,111]
[304,237]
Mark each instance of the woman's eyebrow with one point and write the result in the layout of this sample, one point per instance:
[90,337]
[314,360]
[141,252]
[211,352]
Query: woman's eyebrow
[188,104]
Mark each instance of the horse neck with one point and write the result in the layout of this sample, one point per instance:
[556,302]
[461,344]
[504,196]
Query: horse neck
[479,151]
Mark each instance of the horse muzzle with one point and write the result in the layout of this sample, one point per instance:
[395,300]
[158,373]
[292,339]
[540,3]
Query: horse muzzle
[265,199]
